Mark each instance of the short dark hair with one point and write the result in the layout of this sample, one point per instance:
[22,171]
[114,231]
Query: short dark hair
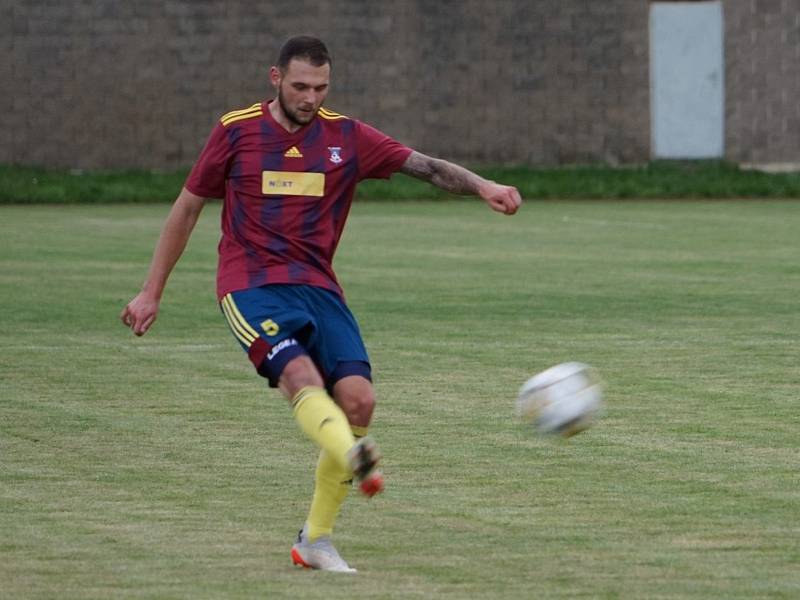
[304,47]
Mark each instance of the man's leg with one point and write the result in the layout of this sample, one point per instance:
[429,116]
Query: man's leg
[329,422]
[317,412]
[357,399]
[356,396]
[260,319]
[319,416]
[339,350]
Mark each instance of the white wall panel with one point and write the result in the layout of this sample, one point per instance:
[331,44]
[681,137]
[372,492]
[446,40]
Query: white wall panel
[687,80]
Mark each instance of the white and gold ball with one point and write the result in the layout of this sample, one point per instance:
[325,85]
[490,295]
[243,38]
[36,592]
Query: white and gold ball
[564,399]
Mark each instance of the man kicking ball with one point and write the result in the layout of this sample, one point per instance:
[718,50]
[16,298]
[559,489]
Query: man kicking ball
[287,169]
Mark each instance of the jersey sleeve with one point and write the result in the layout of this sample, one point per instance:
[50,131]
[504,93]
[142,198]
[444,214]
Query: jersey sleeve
[207,177]
[379,156]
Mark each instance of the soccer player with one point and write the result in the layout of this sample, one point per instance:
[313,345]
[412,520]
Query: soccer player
[287,169]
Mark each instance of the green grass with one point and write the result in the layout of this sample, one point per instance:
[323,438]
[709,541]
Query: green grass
[161,467]
[657,180]
[34,185]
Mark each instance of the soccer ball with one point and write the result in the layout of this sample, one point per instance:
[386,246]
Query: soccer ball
[564,399]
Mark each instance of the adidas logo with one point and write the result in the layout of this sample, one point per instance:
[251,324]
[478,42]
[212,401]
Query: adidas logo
[293,152]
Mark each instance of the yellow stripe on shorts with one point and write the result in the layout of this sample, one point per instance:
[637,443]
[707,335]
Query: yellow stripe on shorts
[242,321]
[245,333]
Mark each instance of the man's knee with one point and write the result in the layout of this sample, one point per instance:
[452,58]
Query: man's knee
[356,396]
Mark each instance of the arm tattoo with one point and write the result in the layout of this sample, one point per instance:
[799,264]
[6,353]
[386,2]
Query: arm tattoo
[442,174]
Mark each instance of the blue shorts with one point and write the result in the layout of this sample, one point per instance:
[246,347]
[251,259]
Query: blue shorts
[276,323]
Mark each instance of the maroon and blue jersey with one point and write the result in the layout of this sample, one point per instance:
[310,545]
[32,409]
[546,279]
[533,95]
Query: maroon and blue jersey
[287,195]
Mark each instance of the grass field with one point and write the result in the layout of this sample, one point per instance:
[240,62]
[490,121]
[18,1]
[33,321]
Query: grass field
[161,467]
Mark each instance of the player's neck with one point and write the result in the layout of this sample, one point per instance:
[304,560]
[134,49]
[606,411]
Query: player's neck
[280,117]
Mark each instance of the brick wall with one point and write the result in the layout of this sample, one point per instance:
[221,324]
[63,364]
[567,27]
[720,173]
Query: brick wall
[762,47]
[107,84]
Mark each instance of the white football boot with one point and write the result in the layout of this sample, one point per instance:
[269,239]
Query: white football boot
[319,554]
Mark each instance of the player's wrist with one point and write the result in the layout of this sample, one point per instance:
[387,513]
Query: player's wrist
[151,292]
[485,188]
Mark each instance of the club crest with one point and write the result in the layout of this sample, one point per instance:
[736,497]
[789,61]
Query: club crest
[335,156]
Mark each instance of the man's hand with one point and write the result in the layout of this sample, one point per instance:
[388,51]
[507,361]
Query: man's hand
[502,198]
[140,313]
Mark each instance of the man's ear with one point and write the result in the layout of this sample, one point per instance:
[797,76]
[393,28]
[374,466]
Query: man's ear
[275,76]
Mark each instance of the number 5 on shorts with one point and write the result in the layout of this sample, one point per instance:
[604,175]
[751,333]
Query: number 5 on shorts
[270,327]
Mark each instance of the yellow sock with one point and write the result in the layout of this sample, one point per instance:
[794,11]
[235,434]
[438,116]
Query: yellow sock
[359,431]
[330,489]
[324,422]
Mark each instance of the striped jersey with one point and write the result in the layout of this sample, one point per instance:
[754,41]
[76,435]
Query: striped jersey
[287,195]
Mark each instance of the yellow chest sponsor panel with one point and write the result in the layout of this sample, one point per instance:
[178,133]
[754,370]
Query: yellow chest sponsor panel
[290,183]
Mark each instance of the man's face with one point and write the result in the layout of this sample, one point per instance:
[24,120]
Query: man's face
[302,89]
